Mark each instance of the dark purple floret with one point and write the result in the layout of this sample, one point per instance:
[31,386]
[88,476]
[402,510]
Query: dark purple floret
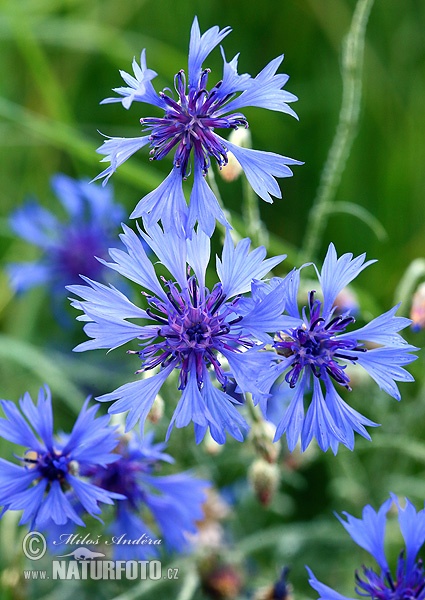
[122,476]
[189,123]
[195,325]
[76,255]
[48,486]
[315,345]
[408,580]
[69,246]
[406,585]
[281,589]
[51,465]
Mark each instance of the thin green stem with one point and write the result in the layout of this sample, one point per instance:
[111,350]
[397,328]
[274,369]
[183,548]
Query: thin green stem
[213,184]
[254,411]
[38,65]
[352,63]
[251,216]
[404,292]
[190,585]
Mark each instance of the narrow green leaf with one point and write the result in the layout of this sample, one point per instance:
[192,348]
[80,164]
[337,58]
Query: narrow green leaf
[41,364]
[361,213]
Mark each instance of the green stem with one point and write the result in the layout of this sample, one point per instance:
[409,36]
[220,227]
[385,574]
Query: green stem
[213,184]
[190,585]
[404,292]
[352,63]
[38,65]
[251,215]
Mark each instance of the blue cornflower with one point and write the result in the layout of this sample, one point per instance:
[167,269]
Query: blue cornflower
[189,328]
[189,126]
[315,348]
[69,247]
[368,532]
[48,487]
[173,501]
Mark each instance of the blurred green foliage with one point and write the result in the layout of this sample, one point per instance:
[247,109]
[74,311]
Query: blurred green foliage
[58,59]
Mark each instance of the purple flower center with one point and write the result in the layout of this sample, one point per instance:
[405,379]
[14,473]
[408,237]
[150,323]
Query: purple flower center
[50,465]
[194,326]
[123,475]
[315,345]
[76,254]
[406,586]
[189,123]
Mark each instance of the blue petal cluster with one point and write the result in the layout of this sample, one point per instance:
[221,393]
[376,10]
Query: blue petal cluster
[69,247]
[314,349]
[174,502]
[408,578]
[189,125]
[186,327]
[47,486]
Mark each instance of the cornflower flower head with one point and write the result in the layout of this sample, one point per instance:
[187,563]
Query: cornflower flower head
[186,326]
[408,578]
[191,117]
[280,590]
[172,502]
[314,349]
[69,247]
[48,486]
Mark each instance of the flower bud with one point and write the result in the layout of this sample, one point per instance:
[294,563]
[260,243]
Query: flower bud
[261,435]
[264,479]
[417,312]
[10,581]
[223,583]
[240,137]
[157,410]
[210,534]
[346,301]
[211,446]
